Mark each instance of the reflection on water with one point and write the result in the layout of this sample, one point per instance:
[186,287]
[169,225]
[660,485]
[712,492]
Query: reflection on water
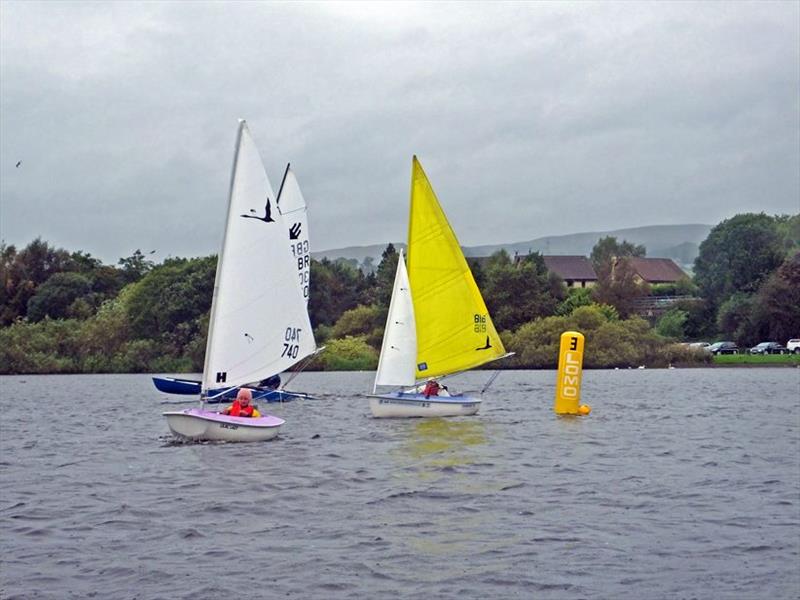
[442,443]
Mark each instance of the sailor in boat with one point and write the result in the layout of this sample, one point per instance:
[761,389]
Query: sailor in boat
[270,383]
[434,388]
[242,406]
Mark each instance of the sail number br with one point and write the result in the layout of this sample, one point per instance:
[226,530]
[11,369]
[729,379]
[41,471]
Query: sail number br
[301,254]
[291,342]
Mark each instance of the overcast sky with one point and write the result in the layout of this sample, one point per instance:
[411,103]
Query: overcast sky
[530,119]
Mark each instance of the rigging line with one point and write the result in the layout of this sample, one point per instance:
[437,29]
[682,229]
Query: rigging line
[222,393]
[490,382]
[300,366]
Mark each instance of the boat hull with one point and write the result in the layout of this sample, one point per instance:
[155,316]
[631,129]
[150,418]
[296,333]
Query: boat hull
[258,396]
[196,424]
[174,385]
[416,405]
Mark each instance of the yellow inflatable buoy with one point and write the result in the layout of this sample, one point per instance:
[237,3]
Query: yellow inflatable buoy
[584,409]
[570,370]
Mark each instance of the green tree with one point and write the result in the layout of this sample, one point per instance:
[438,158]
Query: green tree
[335,288]
[735,319]
[607,248]
[7,283]
[779,302]
[365,321]
[617,283]
[384,276]
[737,257]
[789,232]
[135,266]
[575,297]
[672,323]
[610,342]
[56,295]
[516,293]
[168,303]
[700,319]
[619,287]
[26,270]
[347,354]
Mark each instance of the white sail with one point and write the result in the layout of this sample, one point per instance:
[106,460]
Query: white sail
[398,361]
[293,208]
[259,322]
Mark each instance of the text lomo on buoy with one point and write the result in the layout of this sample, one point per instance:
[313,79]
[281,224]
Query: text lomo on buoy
[570,372]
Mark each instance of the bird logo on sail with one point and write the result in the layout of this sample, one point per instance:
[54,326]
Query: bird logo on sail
[487,346]
[267,218]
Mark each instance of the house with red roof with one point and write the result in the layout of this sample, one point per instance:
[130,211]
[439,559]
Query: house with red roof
[576,271]
[656,270]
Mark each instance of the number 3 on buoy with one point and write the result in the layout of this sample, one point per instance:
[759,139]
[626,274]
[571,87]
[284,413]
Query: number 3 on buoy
[570,372]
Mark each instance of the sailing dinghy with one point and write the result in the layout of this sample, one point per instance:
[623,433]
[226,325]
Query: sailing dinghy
[292,206]
[259,323]
[438,324]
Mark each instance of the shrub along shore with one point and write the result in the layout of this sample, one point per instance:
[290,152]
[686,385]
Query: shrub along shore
[67,312]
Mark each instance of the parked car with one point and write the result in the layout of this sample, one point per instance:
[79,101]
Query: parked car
[793,345]
[723,348]
[699,345]
[769,348]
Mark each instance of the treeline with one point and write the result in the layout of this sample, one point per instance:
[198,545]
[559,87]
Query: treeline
[65,312]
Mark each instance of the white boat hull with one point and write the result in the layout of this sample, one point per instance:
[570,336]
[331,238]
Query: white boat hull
[416,405]
[196,424]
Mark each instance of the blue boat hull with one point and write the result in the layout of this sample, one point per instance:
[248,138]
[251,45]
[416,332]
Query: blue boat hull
[173,385]
[258,396]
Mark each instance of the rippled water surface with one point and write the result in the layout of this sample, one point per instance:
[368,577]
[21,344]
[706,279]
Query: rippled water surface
[680,484]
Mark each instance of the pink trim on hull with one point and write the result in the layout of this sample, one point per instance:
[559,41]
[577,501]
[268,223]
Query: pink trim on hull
[210,415]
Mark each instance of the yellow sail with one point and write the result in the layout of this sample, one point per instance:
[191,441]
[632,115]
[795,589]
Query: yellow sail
[454,329]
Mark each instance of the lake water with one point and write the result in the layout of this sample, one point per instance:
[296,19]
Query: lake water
[680,484]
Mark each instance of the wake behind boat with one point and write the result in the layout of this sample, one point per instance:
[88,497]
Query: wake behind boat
[259,324]
[438,324]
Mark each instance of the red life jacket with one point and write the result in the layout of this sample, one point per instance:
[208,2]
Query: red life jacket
[431,389]
[237,410]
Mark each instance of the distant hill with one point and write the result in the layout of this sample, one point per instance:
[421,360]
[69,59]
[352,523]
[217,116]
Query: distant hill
[678,242]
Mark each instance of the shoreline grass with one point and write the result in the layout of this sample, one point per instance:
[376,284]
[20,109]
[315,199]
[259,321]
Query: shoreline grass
[768,360]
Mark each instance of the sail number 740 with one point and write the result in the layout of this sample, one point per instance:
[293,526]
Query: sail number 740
[291,342]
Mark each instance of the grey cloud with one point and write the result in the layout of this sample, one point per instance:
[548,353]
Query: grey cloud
[530,119]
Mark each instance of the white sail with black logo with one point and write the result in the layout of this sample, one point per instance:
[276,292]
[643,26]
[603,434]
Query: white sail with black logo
[292,205]
[259,323]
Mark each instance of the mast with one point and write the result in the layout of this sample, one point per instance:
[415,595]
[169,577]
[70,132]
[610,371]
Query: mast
[214,298]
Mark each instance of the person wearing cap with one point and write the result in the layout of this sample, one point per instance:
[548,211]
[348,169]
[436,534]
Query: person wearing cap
[241,407]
